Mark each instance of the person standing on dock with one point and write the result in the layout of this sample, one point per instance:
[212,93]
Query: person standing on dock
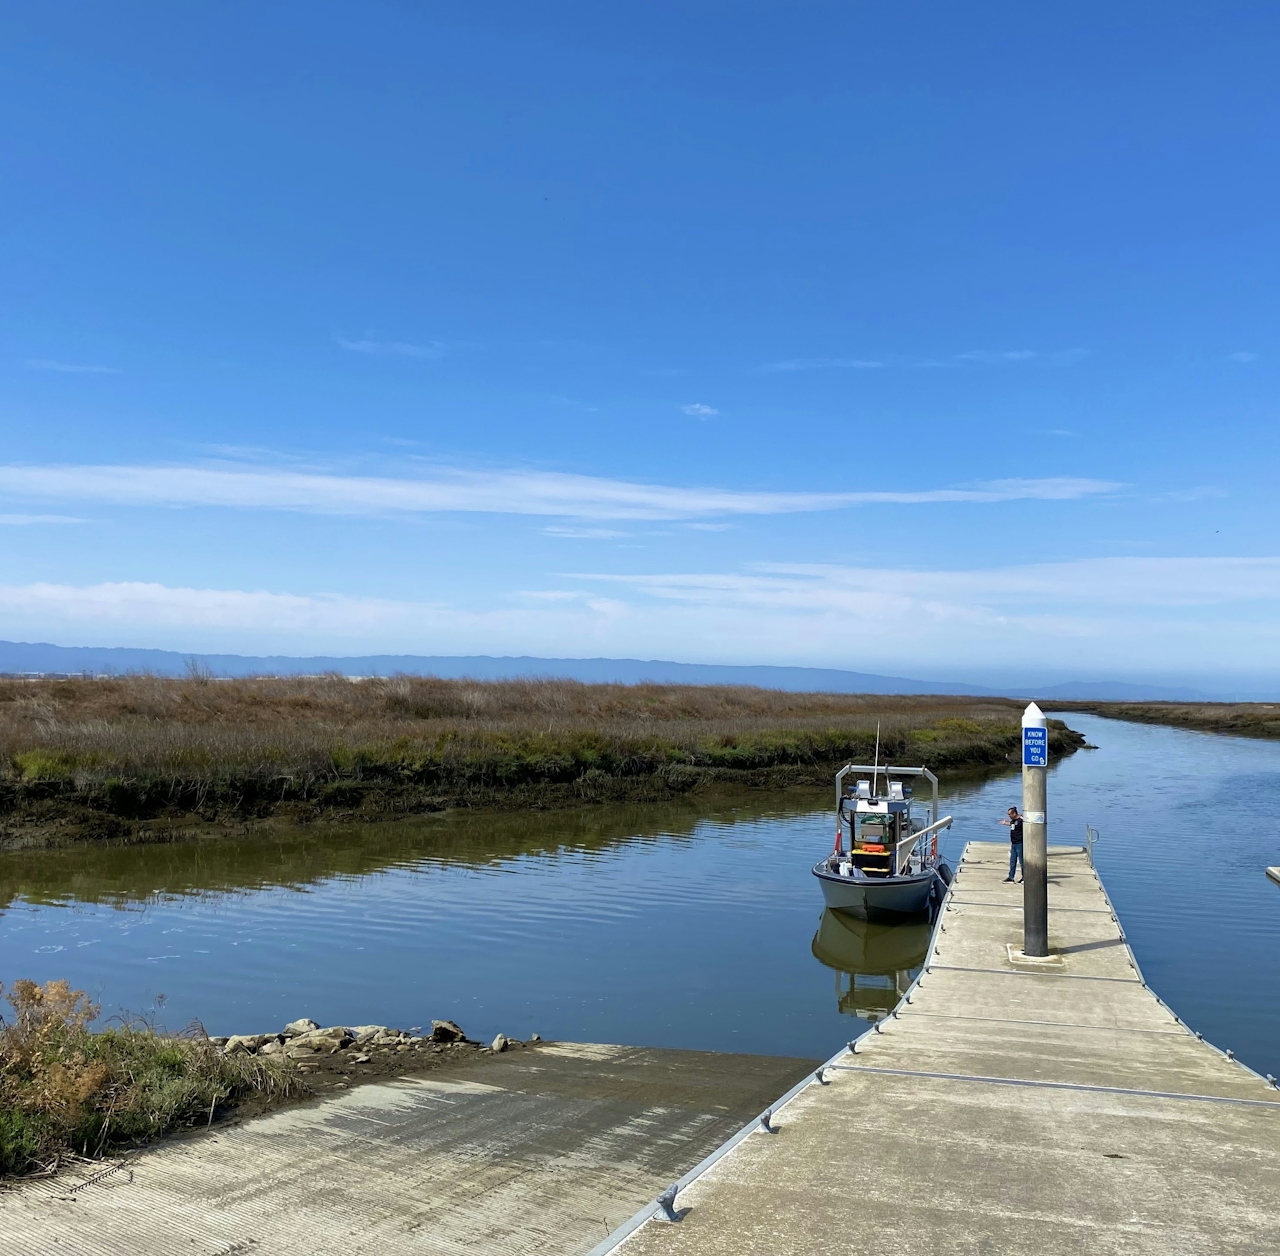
[1014,823]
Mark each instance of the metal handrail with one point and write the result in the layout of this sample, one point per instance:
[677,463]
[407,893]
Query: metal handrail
[944,823]
[911,839]
[1091,835]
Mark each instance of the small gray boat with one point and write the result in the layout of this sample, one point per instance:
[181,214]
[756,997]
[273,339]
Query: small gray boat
[885,864]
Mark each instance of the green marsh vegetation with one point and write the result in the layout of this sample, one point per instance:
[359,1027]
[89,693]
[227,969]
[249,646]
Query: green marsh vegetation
[146,758]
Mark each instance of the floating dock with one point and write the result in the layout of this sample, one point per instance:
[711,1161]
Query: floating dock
[1008,1107]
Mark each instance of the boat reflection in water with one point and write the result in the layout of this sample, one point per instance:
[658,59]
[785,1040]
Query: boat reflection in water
[874,963]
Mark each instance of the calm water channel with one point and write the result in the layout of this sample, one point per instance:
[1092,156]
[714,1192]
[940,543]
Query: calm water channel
[684,925]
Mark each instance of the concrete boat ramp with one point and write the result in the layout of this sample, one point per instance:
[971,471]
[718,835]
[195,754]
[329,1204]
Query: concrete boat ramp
[541,1150]
[1007,1107]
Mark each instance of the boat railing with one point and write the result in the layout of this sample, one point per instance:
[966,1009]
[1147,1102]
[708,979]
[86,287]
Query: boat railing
[912,839]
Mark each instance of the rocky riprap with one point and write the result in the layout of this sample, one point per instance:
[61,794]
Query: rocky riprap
[309,1045]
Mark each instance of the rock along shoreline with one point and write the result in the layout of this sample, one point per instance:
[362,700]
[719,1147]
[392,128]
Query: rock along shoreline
[310,1046]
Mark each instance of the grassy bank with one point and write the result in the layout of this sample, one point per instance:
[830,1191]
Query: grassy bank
[67,1091]
[1243,719]
[145,758]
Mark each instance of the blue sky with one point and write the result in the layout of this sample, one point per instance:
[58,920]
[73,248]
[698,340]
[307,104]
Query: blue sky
[910,337]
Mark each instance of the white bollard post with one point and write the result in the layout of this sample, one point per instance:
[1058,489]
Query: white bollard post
[1035,855]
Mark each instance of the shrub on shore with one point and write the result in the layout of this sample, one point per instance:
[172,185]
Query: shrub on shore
[66,1090]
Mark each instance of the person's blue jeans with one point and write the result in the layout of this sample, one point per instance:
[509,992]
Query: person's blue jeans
[1015,857]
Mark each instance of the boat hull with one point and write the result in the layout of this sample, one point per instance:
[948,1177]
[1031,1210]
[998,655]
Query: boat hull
[881,898]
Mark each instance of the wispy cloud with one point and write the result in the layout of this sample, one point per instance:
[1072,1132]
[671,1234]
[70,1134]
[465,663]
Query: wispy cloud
[392,348]
[1198,493]
[160,614]
[1242,357]
[986,592]
[499,492]
[1137,613]
[1129,612]
[134,601]
[699,411]
[583,534]
[71,368]
[1011,357]
[1059,488]
[1007,355]
[970,357]
[822,364]
[24,521]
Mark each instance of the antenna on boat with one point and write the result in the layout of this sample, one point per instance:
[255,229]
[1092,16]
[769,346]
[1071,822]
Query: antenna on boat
[875,767]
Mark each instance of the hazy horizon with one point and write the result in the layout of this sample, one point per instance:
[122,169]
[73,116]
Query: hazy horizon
[20,657]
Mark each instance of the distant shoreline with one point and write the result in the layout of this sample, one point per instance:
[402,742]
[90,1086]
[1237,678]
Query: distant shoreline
[146,759]
[1239,719]
[28,660]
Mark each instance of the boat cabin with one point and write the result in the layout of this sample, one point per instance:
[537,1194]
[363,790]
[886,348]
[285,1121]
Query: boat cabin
[876,825]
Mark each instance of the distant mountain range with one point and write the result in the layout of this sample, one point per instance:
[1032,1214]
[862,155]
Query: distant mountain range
[38,658]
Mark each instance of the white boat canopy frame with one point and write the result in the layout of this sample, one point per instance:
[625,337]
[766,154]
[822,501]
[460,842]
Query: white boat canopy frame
[888,770]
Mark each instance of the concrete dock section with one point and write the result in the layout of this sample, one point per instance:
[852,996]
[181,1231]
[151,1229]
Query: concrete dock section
[541,1150]
[1011,1107]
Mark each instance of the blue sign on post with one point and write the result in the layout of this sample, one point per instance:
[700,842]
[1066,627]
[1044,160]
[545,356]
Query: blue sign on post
[1035,747]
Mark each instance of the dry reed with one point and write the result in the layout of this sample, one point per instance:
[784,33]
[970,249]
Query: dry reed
[137,747]
[1242,719]
[67,1091]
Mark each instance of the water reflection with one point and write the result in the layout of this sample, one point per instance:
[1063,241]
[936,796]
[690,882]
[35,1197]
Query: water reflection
[874,964]
[306,856]
[683,924]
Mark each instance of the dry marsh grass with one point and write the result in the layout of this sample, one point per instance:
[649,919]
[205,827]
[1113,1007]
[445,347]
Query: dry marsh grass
[1243,719]
[131,749]
[68,1091]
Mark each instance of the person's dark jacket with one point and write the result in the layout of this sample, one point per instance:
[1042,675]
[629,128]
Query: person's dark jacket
[1015,830]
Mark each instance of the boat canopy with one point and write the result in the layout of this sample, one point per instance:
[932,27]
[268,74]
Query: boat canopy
[866,789]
